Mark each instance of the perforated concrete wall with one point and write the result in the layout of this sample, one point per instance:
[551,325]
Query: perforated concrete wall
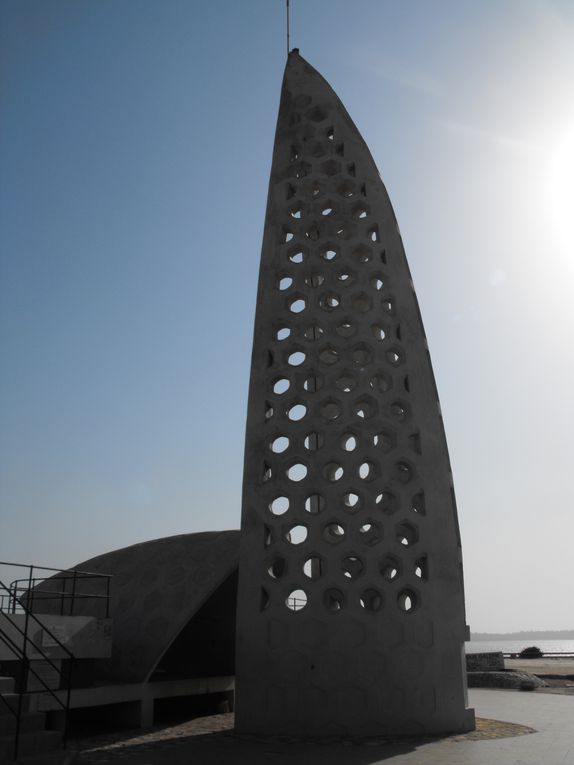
[351,607]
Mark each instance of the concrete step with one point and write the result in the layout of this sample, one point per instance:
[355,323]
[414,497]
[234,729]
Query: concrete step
[30,721]
[12,700]
[6,685]
[35,743]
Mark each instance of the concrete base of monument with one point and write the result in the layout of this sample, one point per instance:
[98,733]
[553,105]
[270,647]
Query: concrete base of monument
[340,717]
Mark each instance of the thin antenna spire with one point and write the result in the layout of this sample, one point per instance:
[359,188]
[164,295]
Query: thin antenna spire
[288,26]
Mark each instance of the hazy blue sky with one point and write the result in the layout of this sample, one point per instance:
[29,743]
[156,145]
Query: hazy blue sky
[136,140]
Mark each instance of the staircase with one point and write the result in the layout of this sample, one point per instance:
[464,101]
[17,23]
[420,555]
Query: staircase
[28,729]
[36,657]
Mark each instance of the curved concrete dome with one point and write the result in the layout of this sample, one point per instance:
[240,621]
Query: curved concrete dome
[157,588]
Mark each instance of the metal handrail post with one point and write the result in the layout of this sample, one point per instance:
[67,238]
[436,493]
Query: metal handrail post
[73,593]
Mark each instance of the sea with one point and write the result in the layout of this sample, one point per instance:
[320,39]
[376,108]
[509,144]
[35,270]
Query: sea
[515,646]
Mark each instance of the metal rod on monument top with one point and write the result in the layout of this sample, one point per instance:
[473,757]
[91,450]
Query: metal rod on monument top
[288,28]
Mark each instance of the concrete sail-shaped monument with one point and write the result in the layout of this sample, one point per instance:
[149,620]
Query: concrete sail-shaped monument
[351,605]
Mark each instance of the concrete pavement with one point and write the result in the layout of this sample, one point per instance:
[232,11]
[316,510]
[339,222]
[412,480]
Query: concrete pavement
[552,717]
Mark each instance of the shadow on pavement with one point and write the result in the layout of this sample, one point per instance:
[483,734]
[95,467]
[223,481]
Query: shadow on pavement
[224,747]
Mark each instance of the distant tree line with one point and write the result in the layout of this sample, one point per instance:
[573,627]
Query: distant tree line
[525,635]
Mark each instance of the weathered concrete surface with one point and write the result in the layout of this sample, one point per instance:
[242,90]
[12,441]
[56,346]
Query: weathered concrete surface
[85,636]
[157,587]
[350,608]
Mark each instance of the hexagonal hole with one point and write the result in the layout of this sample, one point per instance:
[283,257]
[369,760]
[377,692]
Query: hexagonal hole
[313,232]
[371,600]
[346,328]
[328,208]
[329,251]
[387,502]
[333,599]
[352,567]
[370,533]
[313,441]
[384,440]
[406,534]
[296,600]
[329,355]
[333,533]
[390,568]
[381,382]
[362,254]
[296,535]
[376,282]
[314,567]
[348,442]
[364,408]
[301,170]
[361,355]
[346,230]
[330,409]
[279,444]
[351,501]
[296,412]
[395,356]
[297,472]
[404,471]
[296,358]
[281,385]
[297,304]
[279,505]
[346,189]
[407,600]
[346,277]
[360,211]
[297,210]
[284,283]
[282,333]
[329,301]
[313,382]
[388,305]
[421,568]
[400,411]
[346,383]
[418,503]
[297,254]
[378,332]
[333,472]
[314,280]
[315,504]
[277,568]
[313,332]
[330,167]
[361,302]
[367,471]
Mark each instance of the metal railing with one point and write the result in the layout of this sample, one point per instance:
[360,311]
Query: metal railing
[60,590]
[28,597]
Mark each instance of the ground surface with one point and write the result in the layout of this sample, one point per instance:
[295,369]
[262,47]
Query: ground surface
[514,727]
[543,666]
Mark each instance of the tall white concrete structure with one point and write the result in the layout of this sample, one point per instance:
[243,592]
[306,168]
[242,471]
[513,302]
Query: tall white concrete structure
[351,605]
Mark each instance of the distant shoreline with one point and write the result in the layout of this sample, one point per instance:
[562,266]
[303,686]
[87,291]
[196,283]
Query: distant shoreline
[525,635]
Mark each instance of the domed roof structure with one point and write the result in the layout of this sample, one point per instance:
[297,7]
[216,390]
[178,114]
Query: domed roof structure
[157,589]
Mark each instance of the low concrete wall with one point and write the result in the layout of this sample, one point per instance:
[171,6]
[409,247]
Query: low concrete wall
[86,637]
[484,662]
[516,680]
